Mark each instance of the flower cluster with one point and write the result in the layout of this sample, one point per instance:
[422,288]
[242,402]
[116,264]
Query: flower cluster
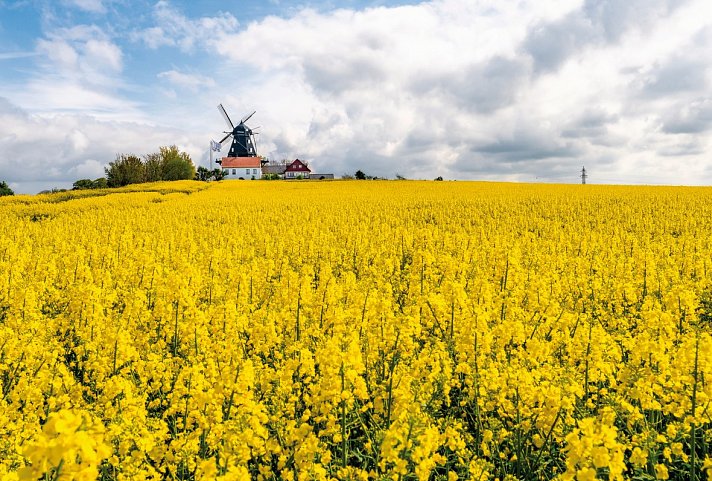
[357,331]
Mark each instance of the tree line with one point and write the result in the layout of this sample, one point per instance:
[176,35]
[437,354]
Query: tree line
[167,164]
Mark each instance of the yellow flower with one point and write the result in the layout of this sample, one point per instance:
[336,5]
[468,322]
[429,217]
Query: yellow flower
[661,471]
[157,329]
[639,457]
[586,474]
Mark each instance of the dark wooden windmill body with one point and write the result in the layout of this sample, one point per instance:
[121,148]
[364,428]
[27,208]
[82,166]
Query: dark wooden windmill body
[243,138]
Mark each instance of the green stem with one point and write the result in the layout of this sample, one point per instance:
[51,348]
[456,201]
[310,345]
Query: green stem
[343,420]
[693,441]
[299,308]
[175,332]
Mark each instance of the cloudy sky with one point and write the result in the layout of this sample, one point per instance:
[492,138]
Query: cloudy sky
[495,90]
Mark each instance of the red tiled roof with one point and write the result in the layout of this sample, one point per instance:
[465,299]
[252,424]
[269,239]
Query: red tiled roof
[241,162]
[297,166]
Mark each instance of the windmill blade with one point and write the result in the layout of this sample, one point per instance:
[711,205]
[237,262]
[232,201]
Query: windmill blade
[248,117]
[226,117]
[225,138]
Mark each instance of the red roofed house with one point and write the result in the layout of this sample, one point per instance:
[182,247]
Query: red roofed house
[242,167]
[297,169]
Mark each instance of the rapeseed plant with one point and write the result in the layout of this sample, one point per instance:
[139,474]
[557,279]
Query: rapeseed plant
[357,331]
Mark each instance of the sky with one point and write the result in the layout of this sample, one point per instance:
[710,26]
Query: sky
[525,91]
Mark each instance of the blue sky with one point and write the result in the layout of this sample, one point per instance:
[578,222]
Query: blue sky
[519,91]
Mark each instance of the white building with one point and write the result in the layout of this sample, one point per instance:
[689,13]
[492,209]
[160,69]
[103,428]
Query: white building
[242,168]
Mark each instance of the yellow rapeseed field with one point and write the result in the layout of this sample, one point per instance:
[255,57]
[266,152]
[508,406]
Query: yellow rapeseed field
[357,330]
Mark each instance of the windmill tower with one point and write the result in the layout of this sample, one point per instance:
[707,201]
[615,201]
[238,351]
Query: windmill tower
[243,139]
[583,175]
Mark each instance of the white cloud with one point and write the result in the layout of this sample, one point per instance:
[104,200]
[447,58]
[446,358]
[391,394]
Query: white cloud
[153,37]
[88,169]
[16,55]
[174,29]
[76,69]
[189,81]
[93,6]
[103,54]
[468,89]
[45,151]
[64,57]
[81,52]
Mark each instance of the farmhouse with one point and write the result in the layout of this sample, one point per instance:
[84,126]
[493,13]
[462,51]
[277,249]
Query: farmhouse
[297,170]
[274,169]
[242,167]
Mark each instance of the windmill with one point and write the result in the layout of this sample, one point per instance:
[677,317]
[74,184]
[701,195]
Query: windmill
[243,139]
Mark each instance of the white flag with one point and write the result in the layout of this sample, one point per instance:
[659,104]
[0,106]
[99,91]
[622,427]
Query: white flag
[215,146]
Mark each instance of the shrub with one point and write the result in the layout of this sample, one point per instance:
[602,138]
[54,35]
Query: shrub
[5,189]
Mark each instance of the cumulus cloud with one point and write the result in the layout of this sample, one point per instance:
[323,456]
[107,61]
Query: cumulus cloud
[81,52]
[387,78]
[185,80]
[459,86]
[174,29]
[486,86]
[677,75]
[76,69]
[46,151]
[93,6]
[597,23]
[689,118]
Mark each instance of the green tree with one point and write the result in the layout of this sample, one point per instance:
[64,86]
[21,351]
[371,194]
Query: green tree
[202,174]
[5,189]
[205,175]
[360,175]
[82,184]
[125,170]
[154,167]
[176,165]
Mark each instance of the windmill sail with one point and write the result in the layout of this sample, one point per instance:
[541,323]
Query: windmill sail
[225,116]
